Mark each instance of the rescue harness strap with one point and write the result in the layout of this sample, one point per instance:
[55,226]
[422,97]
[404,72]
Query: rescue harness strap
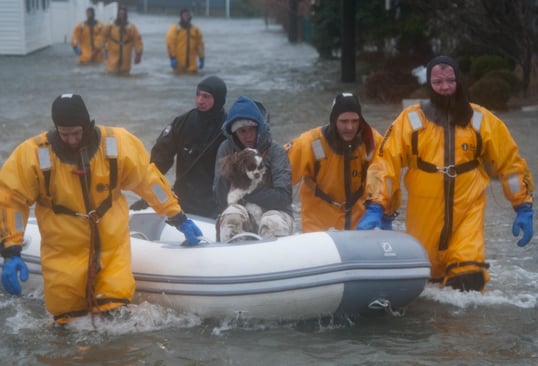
[93,216]
[99,212]
[450,170]
[188,49]
[91,38]
[187,45]
[121,43]
[344,206]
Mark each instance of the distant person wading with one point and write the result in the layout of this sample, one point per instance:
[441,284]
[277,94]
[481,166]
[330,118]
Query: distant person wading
[87,39]
[120,40]
[185,44]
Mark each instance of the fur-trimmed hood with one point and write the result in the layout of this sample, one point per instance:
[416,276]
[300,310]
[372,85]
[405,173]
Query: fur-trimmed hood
[246,108]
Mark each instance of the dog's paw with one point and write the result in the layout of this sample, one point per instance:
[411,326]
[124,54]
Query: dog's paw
[235,195]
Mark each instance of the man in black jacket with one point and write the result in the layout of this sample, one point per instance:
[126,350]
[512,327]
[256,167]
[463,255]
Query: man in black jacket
[193,139]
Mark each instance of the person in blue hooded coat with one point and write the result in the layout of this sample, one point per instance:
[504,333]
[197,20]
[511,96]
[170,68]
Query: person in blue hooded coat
[247,127]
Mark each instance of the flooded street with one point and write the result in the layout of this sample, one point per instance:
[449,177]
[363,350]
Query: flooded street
[442,327]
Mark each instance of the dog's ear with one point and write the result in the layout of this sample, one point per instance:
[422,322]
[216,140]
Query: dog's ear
[230,165]
[241,160]
[226,166]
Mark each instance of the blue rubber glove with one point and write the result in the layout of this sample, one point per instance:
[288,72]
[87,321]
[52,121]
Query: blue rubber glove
[77,51]
[105,54]
[191,231]
[173,62]
[10,274]
[523,221]
[372,218]
[201,63]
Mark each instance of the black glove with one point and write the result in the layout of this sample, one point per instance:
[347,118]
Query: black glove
[139,205]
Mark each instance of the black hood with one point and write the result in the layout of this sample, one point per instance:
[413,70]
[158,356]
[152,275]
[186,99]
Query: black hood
[118,21]
[347,102]
[455,107]
[217,88]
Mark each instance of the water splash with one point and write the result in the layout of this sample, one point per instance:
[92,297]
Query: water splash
[475,299]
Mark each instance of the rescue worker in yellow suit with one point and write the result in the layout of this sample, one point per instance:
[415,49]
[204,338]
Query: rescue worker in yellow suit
[87,39]
[120,40]
[185,44]
[444,143]
[75,175]
[332,161]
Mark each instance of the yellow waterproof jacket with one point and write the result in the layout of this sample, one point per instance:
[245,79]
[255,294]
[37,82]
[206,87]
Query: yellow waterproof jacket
[66,238]
[446,183]
[186,45]
[332,190]
[119,43]
[89,39]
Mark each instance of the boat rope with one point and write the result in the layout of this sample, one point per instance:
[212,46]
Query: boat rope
[384,304]
[93,268]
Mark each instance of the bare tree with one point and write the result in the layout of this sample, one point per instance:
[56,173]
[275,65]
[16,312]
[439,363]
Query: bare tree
[503,27]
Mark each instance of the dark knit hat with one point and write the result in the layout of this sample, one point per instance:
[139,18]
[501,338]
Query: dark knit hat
[69,110]
[217,88]
[344,102]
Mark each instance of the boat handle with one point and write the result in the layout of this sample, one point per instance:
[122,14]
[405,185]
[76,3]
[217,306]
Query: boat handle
[384,304]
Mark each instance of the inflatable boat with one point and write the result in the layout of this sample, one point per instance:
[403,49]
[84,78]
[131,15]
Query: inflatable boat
[296,277]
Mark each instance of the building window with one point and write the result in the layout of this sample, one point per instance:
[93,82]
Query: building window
[33,5]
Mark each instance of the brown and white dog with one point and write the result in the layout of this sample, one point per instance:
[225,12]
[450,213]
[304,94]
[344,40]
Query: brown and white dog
[246,171]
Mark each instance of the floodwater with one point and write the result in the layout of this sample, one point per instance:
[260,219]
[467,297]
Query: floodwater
[442,327]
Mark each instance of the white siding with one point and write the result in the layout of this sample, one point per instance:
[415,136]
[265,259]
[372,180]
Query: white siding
[12,27]
[25,30]
[66,14]
[38,30]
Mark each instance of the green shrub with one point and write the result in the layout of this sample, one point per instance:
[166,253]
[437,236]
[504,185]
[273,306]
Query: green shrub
[389,86]
[465,64]
[481,65]
[420,93]
[490,93]
[508,76]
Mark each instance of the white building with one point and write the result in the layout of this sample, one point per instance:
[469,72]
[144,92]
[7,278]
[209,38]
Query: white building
[29,25]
